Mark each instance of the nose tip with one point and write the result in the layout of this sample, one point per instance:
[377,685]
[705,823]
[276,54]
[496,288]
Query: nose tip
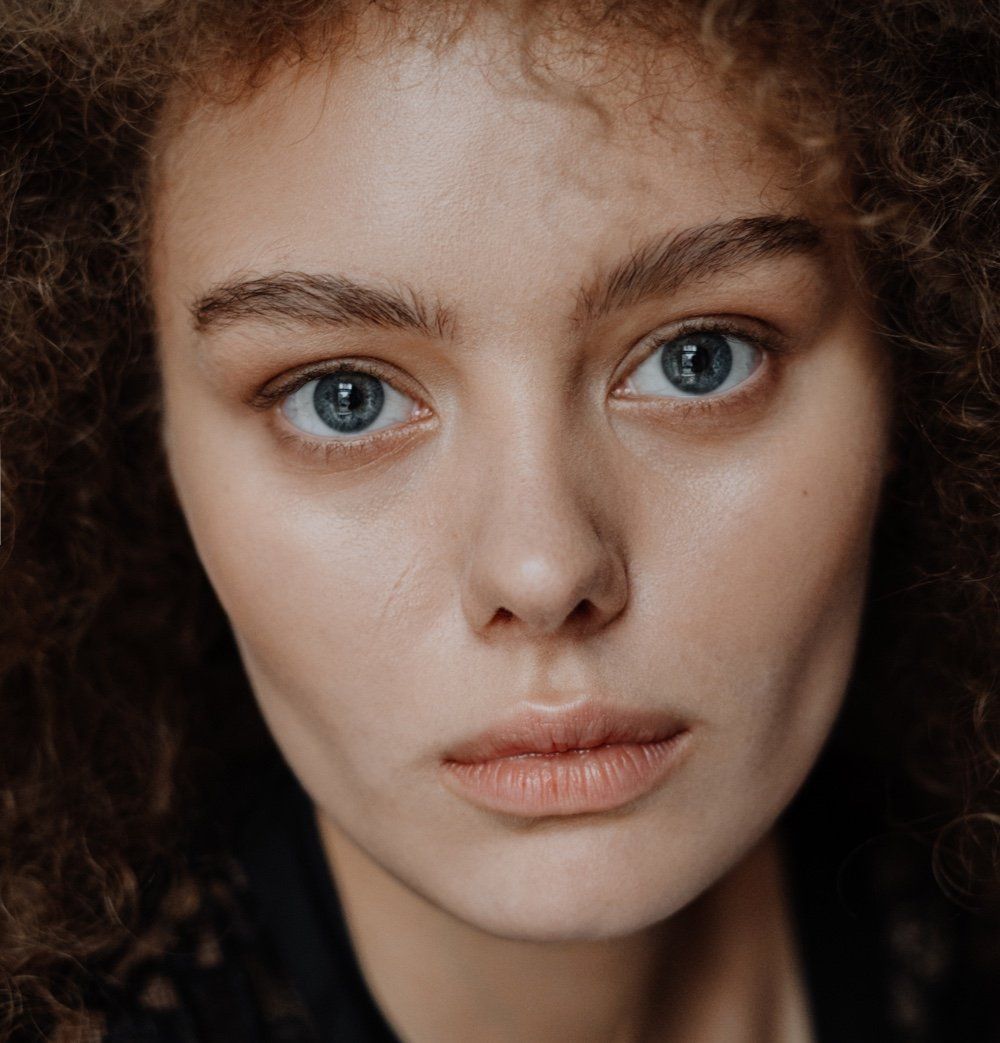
[544,580]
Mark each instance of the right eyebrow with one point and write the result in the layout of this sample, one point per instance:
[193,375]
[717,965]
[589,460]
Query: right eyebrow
[655,268]
[322,298]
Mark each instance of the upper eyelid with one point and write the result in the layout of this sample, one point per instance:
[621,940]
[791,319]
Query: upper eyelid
[768,342]
[265,398]
[735,326]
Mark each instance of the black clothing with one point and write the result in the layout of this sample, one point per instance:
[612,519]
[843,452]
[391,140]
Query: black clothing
[271,960]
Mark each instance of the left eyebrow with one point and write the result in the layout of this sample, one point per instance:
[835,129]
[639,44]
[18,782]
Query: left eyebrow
[659,266]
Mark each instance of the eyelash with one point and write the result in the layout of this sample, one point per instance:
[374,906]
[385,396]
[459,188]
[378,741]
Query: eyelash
[770,343]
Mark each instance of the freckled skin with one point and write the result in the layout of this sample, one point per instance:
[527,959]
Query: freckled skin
[390,605]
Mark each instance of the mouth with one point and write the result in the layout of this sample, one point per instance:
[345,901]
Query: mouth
[589,758]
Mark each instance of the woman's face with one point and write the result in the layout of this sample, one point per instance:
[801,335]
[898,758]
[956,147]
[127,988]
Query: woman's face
[620,442]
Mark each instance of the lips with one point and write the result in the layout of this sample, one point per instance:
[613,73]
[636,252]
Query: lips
[580,728]
[591,757]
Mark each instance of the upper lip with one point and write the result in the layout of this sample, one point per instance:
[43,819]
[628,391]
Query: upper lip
[553,730]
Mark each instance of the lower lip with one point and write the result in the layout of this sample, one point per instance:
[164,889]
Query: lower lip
[569,783]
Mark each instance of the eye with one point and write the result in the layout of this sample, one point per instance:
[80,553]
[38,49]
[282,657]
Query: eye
[346,402]
[699,362]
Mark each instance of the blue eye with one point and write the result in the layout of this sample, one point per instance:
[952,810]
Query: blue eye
[701,362]
[346,402]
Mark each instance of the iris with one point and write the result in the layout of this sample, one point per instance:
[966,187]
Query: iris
[348,400]
[697,362]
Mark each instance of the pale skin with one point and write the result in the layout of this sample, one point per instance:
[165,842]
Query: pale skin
[519,531]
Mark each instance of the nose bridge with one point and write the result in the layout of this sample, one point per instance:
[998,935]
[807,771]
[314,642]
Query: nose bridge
[542,547]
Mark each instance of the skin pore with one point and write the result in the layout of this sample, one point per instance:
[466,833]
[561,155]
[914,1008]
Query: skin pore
[537,516]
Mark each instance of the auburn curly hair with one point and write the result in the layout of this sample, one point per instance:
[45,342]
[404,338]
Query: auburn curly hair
[124,704]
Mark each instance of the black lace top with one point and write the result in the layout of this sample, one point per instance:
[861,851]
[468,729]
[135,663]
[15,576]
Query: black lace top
[268,959]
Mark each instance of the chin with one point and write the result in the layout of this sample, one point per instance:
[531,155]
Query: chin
[566,907]
[566,920]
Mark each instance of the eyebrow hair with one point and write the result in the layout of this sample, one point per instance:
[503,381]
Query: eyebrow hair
[659,266]
[323,298]
[656,268]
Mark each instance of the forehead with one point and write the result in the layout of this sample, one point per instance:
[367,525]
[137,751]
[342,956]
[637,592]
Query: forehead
[410,163]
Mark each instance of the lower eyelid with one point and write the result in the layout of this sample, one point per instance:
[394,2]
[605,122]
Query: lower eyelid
[383,441]
[681,405]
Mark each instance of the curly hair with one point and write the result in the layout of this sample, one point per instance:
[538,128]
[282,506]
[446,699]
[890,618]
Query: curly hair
[124,704]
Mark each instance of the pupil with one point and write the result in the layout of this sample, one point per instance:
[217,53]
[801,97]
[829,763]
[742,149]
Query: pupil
[697,362]
[694,360]
[348,400]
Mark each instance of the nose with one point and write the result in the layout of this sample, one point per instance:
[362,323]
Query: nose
[544,553]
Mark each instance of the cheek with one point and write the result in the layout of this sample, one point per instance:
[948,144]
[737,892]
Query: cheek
[322,588]
[789,581]
[321,604]
[762,603]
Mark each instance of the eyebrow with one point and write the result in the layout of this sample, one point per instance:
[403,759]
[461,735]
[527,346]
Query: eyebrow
[656,268]
[661,265]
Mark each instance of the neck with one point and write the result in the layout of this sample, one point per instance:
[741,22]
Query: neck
[725,967]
